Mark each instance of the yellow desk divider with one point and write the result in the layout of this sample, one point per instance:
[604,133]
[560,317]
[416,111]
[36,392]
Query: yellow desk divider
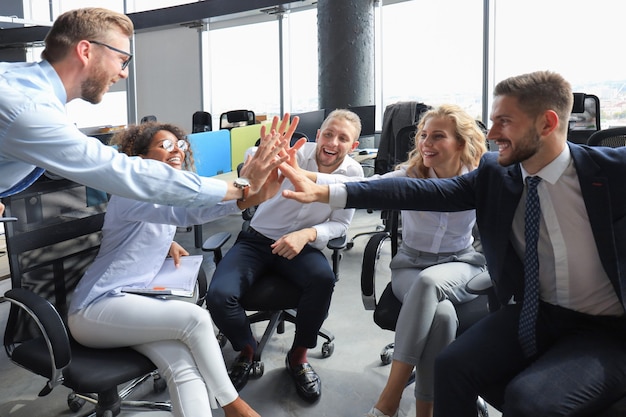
[242,138]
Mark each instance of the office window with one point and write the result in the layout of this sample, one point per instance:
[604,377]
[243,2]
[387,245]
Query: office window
[244,69]
[302,92]
[432,52]
[580,40]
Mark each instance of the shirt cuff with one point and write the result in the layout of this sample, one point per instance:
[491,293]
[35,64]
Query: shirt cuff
[337,195]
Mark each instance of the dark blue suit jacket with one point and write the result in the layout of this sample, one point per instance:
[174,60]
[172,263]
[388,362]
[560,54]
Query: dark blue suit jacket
[494,191]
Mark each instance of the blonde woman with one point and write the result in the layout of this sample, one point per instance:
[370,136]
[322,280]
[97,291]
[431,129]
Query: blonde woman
[435,260]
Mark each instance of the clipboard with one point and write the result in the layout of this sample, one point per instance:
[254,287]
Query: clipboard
[171,280]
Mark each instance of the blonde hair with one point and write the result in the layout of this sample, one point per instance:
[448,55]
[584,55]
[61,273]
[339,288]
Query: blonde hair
[467,132]
[90,23]
[347,115]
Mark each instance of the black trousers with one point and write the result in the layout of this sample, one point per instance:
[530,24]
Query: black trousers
[579,370]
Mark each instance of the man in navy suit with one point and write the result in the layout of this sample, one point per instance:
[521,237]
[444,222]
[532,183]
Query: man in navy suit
[577,366]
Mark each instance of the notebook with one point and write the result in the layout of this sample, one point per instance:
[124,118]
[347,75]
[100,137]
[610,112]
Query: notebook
[171,280]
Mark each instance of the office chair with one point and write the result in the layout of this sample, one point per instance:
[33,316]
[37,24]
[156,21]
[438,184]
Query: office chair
[201,122]
[386,308]
[273,299]
[585,118]
[613,137]
[148,118]
[52,236]
[237,118]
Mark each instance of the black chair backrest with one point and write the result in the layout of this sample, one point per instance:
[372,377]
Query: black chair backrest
[401,116]
[201,122]
[585,118]
[55,239]
[613,137]
[236,118]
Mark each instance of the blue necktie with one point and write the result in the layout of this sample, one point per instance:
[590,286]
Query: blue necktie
[530,306]
[24,183]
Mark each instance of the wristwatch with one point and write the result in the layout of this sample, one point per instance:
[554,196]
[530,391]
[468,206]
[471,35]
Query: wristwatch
[244,185]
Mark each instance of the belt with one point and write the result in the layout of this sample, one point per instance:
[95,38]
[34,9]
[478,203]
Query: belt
[253,231]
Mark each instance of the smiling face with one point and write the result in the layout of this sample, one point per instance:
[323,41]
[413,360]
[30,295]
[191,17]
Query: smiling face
[156,151]
[513,131]
[107,68]
[440,148]
[335,140]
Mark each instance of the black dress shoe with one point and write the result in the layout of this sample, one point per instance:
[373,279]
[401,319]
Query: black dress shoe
[308,383]
[239,371]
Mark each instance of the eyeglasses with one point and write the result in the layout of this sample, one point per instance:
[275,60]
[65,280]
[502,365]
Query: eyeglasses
[125,63]
[168,145]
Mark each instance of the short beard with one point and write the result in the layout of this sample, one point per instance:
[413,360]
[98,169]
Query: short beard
[93,88]
[525,149]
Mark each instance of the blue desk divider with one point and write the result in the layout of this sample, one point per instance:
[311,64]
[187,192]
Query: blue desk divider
[211,152]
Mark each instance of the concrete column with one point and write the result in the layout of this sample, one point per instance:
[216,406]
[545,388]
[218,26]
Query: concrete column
[345,31]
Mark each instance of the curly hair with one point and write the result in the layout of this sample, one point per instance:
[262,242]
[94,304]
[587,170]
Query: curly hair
[467,131]
[135,140]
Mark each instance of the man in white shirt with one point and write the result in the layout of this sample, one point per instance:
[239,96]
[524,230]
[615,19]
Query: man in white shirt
[286,238]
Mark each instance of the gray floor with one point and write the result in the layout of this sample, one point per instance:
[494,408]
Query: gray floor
[352,377]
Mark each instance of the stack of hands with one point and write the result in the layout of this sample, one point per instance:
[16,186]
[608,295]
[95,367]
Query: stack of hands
[275,160]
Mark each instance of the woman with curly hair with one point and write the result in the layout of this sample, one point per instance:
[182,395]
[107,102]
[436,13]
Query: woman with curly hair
[137,236]
[434,261]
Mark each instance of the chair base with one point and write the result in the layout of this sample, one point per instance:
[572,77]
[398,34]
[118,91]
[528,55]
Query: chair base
[276,324]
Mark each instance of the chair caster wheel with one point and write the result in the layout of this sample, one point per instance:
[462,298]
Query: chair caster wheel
[327,349]
[386,355]
[258,368]
[74,402]
[107,413]
[159,384]
[349,245]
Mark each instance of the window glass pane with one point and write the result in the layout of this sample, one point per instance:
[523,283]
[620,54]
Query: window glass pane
[134,6]
[583,44]
[432,52]
[244,69]
[65,5]
[303,61]
[111,111]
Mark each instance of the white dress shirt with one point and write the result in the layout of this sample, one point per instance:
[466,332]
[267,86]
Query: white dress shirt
[278,216]
[570,272]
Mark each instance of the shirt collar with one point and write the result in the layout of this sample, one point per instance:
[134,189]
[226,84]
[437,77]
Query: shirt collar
[55,80]
[553,171]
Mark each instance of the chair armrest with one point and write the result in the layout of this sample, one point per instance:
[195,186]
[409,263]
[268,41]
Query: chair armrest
[216,241]
[214,244]
[337,243]
[8,219]
[480,284]
[52,329]
[368,269]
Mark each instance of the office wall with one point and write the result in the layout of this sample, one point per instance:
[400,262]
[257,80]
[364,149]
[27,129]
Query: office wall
[168,87]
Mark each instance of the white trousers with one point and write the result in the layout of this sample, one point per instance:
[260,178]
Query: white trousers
[177,336]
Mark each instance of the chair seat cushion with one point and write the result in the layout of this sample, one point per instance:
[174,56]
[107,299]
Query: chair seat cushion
[91,370]
[271,293]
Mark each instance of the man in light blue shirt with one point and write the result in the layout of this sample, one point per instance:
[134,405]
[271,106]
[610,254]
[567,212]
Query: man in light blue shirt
[82,61]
